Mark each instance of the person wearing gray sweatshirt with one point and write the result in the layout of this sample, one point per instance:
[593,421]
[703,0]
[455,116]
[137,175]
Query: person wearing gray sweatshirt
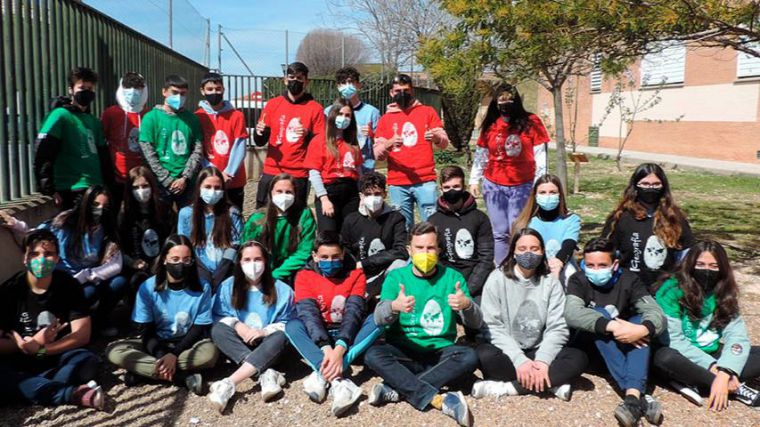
[524,332]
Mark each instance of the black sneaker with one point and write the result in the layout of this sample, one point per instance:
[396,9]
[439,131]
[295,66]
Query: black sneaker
[748,396]
[629,413]
[131,380]
[652,409]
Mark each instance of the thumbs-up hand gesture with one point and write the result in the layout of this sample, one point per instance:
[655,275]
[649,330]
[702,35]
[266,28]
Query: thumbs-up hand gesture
[402,303]
[428,134]
[261,125]
[396,141]
[458,300]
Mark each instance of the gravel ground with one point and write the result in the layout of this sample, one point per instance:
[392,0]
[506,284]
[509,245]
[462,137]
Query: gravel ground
[593,400]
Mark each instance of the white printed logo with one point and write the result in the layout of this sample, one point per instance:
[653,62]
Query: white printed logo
[133,140]
[221,143]
[409,134]
[150,244]
[179,143]
[654,253]
[431,319]
[337,308]
[253,320]
[290,133]
[513,146]
[375,246]
[348,161]
[552,247]
[181,323]
[90,144]
[464,244]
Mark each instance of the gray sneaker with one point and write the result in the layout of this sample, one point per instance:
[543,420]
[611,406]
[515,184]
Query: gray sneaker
[194,383]
[455,406]
[381,393]
[652,409]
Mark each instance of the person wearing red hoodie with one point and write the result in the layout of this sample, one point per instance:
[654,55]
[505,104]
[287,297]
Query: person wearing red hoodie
[288,123]
[405,137]
[121,129]
[224,136]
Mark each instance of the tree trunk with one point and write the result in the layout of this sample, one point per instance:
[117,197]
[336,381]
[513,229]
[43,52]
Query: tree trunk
[559,125]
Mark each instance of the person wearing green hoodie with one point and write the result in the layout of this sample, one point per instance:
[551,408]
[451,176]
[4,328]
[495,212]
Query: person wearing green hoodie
[285,227]
[171,143]
[708,349]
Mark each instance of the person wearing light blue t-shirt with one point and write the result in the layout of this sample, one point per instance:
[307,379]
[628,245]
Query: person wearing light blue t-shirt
[173,314]
[213,225]
[546,212]
[349,86]
[250,312]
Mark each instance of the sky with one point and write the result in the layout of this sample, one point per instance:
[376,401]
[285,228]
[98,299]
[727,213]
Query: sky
[256,28]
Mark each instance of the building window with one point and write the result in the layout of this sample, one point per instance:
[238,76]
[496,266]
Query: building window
[665,66]
[747,65]
[596,78]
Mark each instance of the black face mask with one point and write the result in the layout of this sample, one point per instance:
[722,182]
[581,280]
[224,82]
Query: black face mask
[295,87]
[707,279]
[84,97]
[403,99]
[178,271]
[98,213]
[453,196]
[649,196]
[214,98]
[506,109]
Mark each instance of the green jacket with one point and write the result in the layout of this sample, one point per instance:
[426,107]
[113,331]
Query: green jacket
[695,339]
[283,263]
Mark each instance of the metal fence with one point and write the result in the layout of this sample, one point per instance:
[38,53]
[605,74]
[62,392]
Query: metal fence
[250,93]
[42,41]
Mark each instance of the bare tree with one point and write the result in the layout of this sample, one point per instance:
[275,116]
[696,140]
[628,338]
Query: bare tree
[394,28]
[325,51]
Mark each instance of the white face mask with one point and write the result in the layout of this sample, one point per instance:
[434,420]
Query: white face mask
[253,270]
[283,201]
[142,195]
[373,203]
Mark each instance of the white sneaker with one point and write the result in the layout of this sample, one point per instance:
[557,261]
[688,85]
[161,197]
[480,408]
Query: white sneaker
[455,406]
[381,393]
[691,394]
[315,387]
[271,383]
[344,394]
[563,392]
[493,389]
[220,393]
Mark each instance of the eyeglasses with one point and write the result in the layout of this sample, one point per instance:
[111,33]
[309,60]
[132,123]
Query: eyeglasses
[647,185]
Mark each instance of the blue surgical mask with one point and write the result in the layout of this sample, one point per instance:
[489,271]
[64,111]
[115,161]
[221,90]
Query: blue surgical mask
[211,196]
[547,202]
[601,277]
[347,91]
[176,102]
[342,122]
[330,267]
[132,97]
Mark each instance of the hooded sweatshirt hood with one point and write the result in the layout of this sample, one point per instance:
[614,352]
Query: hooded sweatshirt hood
[126,107]
[466,205]
[394,108]
[226,106]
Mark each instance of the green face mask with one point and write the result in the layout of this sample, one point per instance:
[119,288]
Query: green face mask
[41,267]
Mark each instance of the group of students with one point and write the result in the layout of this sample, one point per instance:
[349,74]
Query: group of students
[362,283]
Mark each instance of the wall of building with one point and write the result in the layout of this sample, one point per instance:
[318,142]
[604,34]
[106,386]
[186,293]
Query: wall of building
[31,210]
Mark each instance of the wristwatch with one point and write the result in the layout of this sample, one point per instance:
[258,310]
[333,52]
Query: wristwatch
[41,352]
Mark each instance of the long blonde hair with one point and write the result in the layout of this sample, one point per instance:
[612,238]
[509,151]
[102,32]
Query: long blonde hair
[531,207]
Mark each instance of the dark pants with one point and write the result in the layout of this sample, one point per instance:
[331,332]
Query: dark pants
[344,195]
[177,201]
[106,295]
[236,196]
[261,355]
[51,381]
[262,191]
[299,337]
[70,199]
[136,278]
[568,365]
[673,365]
[417,376]
[117,195]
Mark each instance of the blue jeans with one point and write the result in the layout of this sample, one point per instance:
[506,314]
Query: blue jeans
[52,386]
[504,204]
[628,365]
[106,294]
[403,198]
[417,376]
[299,337]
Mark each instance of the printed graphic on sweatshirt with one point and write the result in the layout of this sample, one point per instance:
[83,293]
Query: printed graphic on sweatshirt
[409,134]
[213,253]
[91,149]
[179,143]
[431,318]
[464,244]
[348,161]
[337,308]
[133,140]
[221,143]
[375,246]
[654,253]
[253,320]
[513,145]
[704,335]
[290,133]
[181,323]
[552,248]
[150,243]
[528,325]
[636,250]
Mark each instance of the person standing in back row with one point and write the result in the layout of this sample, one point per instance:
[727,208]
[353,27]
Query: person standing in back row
[405,136]
[288,123]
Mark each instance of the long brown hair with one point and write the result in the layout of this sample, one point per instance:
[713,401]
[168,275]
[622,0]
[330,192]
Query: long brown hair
[667,215]
[531,207]
[156,207]
[79,221]
[348,134]
[240,285]
[221,235]
[726,291]
[292,215]
[509,263]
